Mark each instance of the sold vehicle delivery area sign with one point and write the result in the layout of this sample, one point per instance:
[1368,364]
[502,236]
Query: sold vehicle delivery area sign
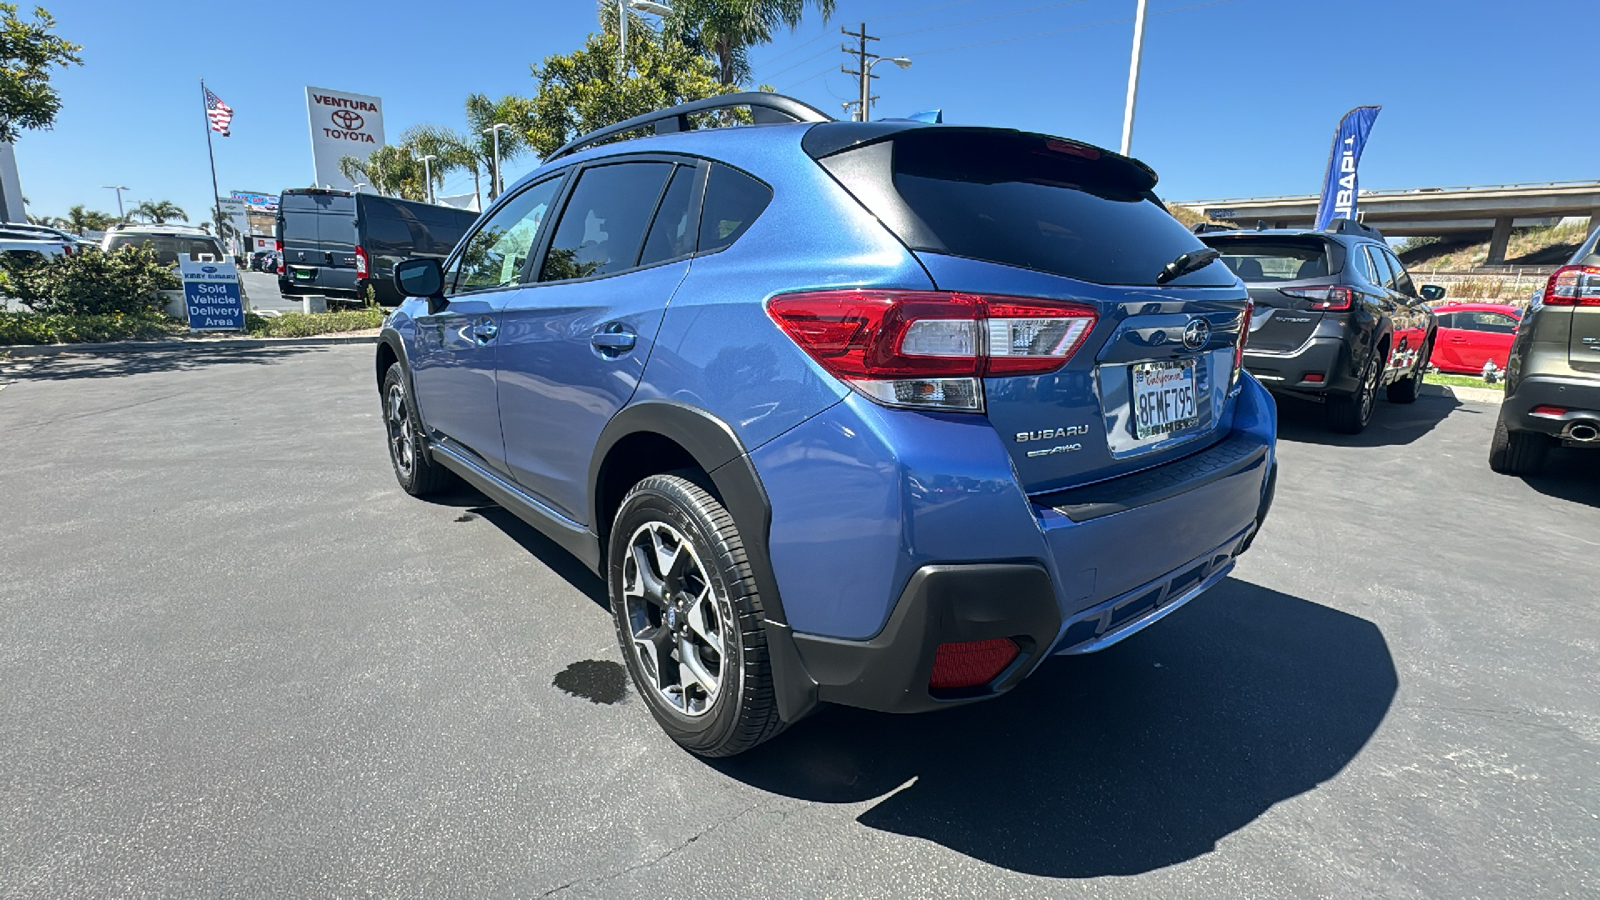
[211,294]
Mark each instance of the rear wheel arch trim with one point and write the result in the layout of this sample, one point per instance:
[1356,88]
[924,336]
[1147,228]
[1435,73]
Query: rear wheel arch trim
[718,451]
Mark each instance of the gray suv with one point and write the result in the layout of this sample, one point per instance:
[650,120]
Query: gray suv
[1553,375]
[1336,316]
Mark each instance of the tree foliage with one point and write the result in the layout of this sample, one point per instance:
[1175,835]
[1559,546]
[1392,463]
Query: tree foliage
[724,30]
[159,211]
[581,91]
[125,281]
[394,170]
[79,220]
[28,51]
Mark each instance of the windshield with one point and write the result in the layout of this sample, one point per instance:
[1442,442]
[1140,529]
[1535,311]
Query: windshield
[1257,261]
[168,246]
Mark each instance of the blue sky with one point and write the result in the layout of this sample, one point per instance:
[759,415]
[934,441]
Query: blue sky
[1237,98]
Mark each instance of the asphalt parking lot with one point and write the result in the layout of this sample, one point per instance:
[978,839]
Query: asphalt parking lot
[236,660]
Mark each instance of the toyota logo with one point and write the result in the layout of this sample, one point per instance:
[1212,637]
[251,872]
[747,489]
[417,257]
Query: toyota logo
[1196,334]
[349,120]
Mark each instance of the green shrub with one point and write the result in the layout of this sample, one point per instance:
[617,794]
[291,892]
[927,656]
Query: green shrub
[88,282]
[35,328]
[308,324]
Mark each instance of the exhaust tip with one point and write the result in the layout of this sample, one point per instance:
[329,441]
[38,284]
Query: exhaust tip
[1584,432]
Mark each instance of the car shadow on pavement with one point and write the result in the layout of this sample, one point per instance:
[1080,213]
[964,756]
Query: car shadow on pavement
[474,503]
[72,366]
[1304,421]
[1117,763]
[1569,474]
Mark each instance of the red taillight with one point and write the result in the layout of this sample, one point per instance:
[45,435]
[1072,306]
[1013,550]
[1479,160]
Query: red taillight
[929,348]
[361,262]
[1243,338]
[1573,286]
[67,249]
[278,246]
[1331,299]
[971,663]
[1554,412]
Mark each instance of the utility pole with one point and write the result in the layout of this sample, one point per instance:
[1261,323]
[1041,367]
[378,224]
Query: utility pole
[863,69]
[1133,78]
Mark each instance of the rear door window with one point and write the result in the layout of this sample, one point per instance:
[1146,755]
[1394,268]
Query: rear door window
[1380,268]
[601,230]
[1028,200]
[733,201]
[672,233]
[1402,279]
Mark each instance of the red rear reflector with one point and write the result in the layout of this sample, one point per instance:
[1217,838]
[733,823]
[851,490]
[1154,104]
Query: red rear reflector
[1554,411]
[1573,286]
[1313,378]
[971,663]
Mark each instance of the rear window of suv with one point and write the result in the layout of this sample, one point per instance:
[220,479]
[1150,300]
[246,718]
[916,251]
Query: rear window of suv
[1267,260]
[1031,201]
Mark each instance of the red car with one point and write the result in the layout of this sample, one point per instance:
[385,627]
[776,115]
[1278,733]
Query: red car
[1471,334]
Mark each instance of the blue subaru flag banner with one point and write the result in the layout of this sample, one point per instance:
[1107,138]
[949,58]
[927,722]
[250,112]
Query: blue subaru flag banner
[211,294]
[1340,188]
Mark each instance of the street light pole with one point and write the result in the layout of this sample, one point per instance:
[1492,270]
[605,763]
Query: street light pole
[647,6]
[866,82]
[427,174]
[119,188]
[1133,78]
[494,176]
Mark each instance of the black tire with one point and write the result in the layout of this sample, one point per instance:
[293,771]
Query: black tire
[655,608]
[416,471]
[1350,413]
[1517,452]
[1408,388]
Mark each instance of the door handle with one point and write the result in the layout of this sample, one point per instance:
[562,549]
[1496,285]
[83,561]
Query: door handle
[614,342]
[327,258]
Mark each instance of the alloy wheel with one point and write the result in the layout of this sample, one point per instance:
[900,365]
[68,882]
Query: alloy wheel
[402,449]
[678,623]
[1369,388]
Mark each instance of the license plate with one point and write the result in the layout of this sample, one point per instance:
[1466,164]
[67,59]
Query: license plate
[303,275]
[1164,398]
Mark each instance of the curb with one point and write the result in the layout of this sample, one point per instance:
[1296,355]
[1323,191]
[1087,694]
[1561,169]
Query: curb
[25,350]
[1465,394]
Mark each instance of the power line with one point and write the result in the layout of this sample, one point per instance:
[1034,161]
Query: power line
[1020,12]
[802,62]
[936,8]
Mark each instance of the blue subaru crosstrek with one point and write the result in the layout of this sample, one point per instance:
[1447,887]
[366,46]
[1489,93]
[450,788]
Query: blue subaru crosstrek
[880,414]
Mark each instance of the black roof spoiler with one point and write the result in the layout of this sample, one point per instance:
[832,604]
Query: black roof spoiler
[764,108]
[1350,226]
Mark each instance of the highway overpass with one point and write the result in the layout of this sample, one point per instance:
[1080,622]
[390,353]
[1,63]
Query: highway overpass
[1492,208]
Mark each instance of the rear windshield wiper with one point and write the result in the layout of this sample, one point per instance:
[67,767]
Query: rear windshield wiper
[1192,261]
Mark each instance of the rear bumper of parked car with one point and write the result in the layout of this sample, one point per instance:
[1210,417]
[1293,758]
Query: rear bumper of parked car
[1578,396]
[1087,568]
[1328,357]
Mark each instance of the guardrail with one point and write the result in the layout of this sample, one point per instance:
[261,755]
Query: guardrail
[1394,192]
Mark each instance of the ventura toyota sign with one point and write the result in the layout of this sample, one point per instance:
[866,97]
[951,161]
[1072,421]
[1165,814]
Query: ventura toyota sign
[342,124]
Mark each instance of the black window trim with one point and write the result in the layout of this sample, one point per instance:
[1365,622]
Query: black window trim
[696,196]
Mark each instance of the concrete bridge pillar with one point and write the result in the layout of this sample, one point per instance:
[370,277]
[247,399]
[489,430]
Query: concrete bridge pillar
[1498,241]
[1594,220]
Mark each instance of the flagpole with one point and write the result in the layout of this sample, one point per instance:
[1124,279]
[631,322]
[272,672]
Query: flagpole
[216,198]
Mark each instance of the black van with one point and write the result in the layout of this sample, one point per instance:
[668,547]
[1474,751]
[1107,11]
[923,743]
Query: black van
[337,243]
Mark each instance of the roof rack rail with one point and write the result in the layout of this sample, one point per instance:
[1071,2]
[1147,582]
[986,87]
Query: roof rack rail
[1350,226]
[765,108]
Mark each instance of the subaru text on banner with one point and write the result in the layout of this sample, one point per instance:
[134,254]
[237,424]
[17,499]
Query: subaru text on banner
[880,414]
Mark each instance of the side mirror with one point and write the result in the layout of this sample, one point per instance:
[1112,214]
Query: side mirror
[419,278]
[1432,293]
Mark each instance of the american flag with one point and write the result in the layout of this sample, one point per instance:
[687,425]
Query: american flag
[218,112]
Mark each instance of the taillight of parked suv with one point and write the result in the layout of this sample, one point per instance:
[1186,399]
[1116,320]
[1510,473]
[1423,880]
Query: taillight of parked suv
[278,245]
[1573,286]
[1332,299]
[928,349]
[361,262]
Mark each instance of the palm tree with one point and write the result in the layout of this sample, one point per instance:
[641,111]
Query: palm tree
[725,29]
[80,220]
[159,211]
[393,170]
[452,151]
[482,114]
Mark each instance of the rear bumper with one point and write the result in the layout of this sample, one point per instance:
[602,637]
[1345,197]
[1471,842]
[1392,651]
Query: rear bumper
[1327,356]
[1094,565]
[1580,396]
